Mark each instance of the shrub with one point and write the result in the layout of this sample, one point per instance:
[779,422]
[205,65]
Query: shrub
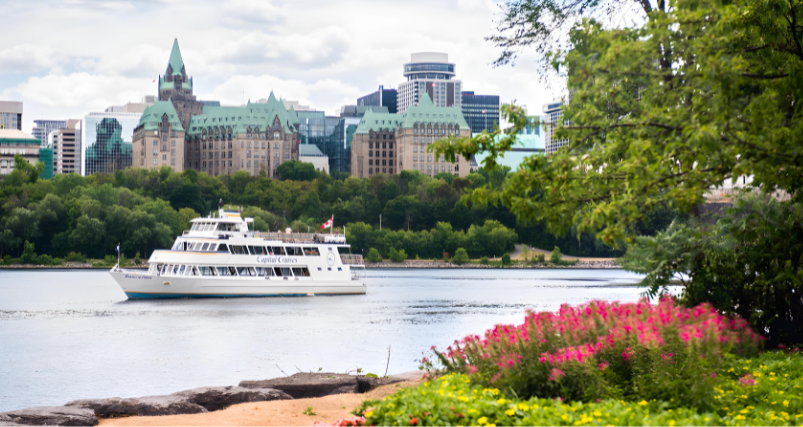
[75,257]
[484,260]
[541,258]
[137,259]
[607,350]
[397,256]
[506,259]
[373,255]
[556,257]
[460,257]
[455,399]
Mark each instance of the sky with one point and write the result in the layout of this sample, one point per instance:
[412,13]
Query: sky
[67,58]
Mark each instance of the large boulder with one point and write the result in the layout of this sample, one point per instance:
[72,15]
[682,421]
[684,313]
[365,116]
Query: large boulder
[149,405]
[216,398]
[49,416]
[304,385]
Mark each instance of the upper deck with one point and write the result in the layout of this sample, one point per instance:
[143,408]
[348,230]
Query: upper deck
[229,223]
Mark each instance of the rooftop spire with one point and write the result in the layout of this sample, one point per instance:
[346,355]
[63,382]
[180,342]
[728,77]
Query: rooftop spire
[175,59]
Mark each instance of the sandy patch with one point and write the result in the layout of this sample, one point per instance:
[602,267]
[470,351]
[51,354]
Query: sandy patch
[276,413]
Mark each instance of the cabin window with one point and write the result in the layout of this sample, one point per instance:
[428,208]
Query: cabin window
[339,269]
[175,269]
[238,250]
[264,271]
[245,271]
[207,271]
[293,250]
[301,271]
[311,251]
[286,271]
[205,246]
[277,271]
[223,248]
[257,250]
[181,270]
[212,247]
[224,271]
[277,250]
[177,246]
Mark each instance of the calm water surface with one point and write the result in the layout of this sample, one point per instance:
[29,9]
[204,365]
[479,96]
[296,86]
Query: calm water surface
[70,334]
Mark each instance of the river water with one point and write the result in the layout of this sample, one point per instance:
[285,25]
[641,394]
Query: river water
[70,334]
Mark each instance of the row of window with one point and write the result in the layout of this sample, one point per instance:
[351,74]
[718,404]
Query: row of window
[385,145]
[212,226]
[442,131]
[429,167]
[371,171]
[429,158]
[384,162]
[384,153]
[247,249]
[228,271]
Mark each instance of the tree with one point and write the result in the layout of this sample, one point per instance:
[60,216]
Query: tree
[643,133]
[295,170]
[556,257]
[506,259]
[373,255]
[397,256]
[460,257]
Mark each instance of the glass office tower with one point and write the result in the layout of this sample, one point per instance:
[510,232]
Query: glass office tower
[107,142]
[480,111]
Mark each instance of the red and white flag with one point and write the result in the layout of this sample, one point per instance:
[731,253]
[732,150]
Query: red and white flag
[484,111]
[327,224]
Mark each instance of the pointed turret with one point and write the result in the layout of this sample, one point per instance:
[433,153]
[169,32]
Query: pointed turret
[425,101]
[175,63]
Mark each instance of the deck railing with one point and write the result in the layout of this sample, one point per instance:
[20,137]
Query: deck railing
[350,259]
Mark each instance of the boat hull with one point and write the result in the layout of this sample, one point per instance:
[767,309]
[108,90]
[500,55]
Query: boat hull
[141,285]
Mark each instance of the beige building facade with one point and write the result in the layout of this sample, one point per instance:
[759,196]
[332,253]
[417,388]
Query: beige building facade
[67,148]
[159,138]
[390,143]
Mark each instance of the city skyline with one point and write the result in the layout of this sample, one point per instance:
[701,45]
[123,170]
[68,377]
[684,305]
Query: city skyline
[325,60]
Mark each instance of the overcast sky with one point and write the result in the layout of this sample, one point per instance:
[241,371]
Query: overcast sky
[66,58]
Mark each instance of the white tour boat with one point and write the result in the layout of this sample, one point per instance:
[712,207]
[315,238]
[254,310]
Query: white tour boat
[220,257]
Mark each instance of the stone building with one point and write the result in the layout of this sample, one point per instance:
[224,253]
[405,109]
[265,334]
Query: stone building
[159,138]
[389,143]
[256,137]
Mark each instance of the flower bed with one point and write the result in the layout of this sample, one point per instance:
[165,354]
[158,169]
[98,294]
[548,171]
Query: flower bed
[772,397]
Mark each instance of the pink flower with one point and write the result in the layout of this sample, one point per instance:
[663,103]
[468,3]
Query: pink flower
[556,374]
[713,374]
[472,369]
[747,380]
[603,365]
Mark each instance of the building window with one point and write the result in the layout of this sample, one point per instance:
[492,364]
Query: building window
[172,162]
[164,157]
[370,162]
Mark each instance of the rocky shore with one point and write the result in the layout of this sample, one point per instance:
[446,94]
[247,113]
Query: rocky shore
[581,264]
[200,400]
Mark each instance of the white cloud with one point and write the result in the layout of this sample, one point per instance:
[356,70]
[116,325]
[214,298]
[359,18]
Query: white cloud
[319,48]
[250,12]
[27,58]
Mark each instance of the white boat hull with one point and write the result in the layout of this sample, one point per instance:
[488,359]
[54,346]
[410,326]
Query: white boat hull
[142,285]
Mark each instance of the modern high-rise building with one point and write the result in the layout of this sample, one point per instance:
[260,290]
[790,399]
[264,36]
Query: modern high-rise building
[13,142]
[315,128]
[433,74]
[553,116]
[390,143]
[106,142]
[66,144]
[529,141]
[381,98]
[11,115]
[480,111]
[256,137]
[42,128]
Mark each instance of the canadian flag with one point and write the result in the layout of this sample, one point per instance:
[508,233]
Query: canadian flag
[327,224]
[484,111]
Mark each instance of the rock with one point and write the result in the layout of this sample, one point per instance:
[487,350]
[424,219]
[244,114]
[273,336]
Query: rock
[149,405]
[216,398]
[49,416]
[304,385]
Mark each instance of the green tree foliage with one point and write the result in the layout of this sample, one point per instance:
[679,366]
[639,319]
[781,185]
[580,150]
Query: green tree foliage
[506,259]
[461,257]
[297,171]
[397,256]
[373,255]
[556,257]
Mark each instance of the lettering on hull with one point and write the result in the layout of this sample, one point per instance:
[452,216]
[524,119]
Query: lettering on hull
[276,260]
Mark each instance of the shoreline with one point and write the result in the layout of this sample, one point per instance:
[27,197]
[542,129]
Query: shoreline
[409,264]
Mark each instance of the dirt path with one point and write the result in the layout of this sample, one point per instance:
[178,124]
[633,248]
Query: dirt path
[276,413]
[518,253]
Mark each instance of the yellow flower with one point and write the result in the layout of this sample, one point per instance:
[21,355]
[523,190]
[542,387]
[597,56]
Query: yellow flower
[743,411]
[744,396]
[739,417]
[670,422]
[642,403]
[510,412]
[482,420]
[774,402]
[369,413]
[564,417]
[597,413]
[772,373]
[473,411]
[780,392]
[785,403]
[462,399]
[490,425]
[501,401]
[707,419]
[523,407]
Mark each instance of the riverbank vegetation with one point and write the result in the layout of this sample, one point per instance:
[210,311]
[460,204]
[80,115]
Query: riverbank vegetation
[606,364]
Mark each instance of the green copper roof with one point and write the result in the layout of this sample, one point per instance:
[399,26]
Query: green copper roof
[379,121]
[152,116]
[253,115]
[175,59]
[426,112]
[293,115]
